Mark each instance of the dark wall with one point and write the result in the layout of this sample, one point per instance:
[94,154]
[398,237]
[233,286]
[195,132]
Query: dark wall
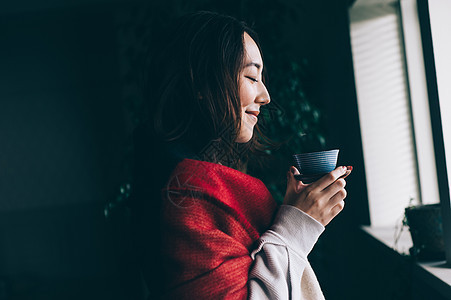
[63,134]
[62,127]
[337,257]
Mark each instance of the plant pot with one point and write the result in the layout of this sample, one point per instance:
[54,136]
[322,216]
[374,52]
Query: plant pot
[425,226]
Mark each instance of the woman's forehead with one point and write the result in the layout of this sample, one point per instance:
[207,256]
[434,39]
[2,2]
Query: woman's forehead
[253,56]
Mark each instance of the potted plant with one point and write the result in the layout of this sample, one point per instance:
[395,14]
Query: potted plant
[425,226]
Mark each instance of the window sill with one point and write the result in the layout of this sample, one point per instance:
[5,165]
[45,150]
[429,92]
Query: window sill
[436,274]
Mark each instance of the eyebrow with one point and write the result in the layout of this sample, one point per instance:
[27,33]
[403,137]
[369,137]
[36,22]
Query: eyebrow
[258,66]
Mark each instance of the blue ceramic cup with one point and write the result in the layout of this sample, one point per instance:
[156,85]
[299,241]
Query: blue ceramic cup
[314,165]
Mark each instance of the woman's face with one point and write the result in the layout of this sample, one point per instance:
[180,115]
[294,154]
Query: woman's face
[252,91]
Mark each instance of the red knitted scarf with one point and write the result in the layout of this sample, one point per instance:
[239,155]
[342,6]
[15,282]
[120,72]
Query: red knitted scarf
[211,217]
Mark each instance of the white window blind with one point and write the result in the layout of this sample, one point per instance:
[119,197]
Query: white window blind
[384,111]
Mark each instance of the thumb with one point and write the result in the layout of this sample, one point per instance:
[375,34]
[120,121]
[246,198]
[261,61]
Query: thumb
[298,185]
[294,170]
[290,176]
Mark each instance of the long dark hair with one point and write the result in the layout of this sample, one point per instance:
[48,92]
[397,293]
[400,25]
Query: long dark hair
[193,89]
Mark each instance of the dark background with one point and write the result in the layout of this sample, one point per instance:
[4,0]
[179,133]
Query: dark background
[65,131]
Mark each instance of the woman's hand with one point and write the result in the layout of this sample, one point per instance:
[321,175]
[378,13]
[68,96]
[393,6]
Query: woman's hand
[323,199]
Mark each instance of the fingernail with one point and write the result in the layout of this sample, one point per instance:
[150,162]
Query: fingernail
[349,168]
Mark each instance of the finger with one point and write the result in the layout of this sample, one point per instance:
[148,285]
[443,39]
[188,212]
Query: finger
[348,171]
[290,178]
[337,208]
[295,174]
[334,188]
[293,181]
[294,170]
[329,178]
[337,198]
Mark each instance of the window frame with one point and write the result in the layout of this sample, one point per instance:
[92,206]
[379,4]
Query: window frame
[424,95]
[436,122]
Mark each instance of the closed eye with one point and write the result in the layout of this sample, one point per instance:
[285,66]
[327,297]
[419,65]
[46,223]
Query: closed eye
[251,78]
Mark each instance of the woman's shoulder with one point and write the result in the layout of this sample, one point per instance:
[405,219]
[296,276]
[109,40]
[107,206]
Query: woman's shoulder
[195,182]
[213,178]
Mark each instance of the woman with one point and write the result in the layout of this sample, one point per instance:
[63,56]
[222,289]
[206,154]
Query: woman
[205,227]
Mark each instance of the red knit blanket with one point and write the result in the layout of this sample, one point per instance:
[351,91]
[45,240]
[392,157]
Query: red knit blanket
[212,215]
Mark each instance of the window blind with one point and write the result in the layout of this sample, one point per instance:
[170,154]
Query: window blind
[384,111]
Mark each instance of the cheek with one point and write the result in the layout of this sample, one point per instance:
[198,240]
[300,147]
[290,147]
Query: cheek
[246,95]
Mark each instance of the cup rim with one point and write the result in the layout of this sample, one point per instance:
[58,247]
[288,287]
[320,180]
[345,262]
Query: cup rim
[313,152]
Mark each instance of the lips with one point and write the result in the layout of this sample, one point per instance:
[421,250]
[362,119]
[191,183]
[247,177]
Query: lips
[252,112]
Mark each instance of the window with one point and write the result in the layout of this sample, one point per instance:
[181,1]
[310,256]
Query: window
[436,25]
[384,111]
[402,72]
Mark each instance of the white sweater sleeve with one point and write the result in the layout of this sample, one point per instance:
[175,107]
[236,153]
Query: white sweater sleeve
[281,269]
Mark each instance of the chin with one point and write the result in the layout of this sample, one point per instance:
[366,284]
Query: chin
[244,137]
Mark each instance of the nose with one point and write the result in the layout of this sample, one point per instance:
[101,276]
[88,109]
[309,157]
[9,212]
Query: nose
[263,96]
